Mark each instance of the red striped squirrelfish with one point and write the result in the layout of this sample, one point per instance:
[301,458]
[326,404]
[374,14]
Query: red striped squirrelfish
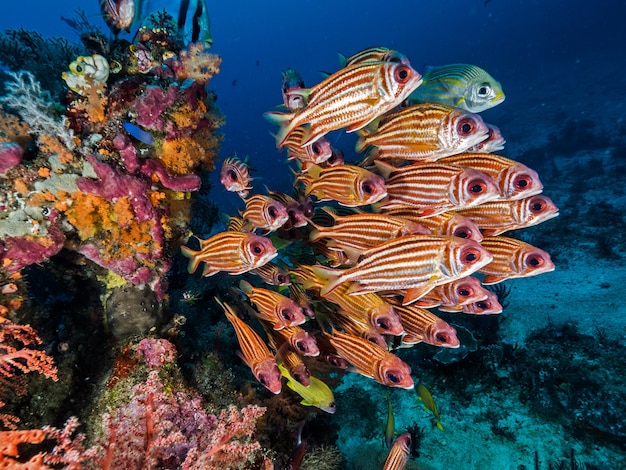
[349,98]
[265,213]
[298,338]
[359,232]
[254,351]
[513,259]
[493,143]
[349,185]
[235,176]
[515,180]
[488,306]
[433,188]
[316,153]
[413,262]
[273,307]
[372,361]
[454,294]
[374,54]
[399,453]
[497,217]
[119,14]
[446,223]
[422,325]
[422,132]
[233,252]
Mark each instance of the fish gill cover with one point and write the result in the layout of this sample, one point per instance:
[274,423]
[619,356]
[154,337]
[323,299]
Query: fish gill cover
[106,205]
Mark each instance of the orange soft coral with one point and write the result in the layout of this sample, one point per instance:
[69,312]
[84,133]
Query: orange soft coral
[183,155]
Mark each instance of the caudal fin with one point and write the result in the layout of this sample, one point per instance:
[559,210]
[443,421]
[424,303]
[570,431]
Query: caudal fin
[194,259]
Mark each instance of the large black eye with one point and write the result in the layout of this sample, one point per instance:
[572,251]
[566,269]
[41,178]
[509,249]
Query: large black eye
[272,212]
[393,378]
[257,248]
[535,261]
[466,127]
[441,338]
[477,186]
[483,90]
[463,232]
[383,324]
[263,380]
[402,74]
[367,188]
[316,148]
[538,205]
[463,292]
[300,347]
[285,313]
[522,182]
[232,175]
[483,305]
[470,256]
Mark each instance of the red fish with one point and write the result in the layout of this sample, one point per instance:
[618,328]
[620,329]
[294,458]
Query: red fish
[454,295]
[273,307]
[233,252]
[399,453]
[235,176]
[254,351]
[423,326]
[265,213]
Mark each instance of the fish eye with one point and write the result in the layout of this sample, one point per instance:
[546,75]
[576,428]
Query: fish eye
[332,405]
[272,212]
[470,256]
[263,380]
[286,314]
[466,127]
[232,175]
[522,182]
[300,346]
[535,261]
[464,292]
[393,377]
[483,305]
[441,338]
[537,205]
[463,232]
[257,248]
[367,188]
[46,211]
[383,324]
[402,74]
[282,279]
[316,148]
[477,186]
[483,90]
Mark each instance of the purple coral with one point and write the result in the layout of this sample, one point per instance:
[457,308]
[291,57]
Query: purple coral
[151,105]
[10,155]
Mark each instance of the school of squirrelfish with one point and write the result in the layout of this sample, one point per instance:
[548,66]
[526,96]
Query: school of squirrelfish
[412,226]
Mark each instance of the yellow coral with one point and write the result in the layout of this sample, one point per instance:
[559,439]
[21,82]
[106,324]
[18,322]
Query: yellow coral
[198,64]
[181,156]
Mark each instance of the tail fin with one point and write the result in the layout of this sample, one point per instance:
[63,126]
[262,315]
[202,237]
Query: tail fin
[283,120]
[194,259]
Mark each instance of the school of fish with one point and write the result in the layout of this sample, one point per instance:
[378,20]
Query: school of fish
[368,247]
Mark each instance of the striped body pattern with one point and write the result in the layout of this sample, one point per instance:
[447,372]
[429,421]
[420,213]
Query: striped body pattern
[433,188]
[235,176]
[349,185]
[446,223]
[399,453]
[254,351]
[233,252]
[462,86]
[273,307]
[515,180]
[350,98]
[363,231]
[454,294]
[412,262]
[513,259]
[316,153]
[423,132]
[423,326]
[375,54]
[372,361]
[497,217]
[265,212]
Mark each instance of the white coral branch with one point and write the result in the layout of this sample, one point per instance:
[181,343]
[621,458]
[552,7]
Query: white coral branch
[34,106]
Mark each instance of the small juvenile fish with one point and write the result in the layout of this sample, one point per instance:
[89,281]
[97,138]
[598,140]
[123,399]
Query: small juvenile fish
[235,176]
[514,179]
[317,394]
[422,132]
[254,351]
[349,98]
[372,361]
[349,185]
[233,252]
[429,403]
[265,213]
[462,86]
[513,259]
[399,453]
[273,307]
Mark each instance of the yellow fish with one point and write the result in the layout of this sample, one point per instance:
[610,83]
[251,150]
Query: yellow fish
[317,394]
[429,402]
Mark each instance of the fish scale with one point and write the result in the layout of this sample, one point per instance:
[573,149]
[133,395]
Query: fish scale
[446,223]
[270,303]
[420,324]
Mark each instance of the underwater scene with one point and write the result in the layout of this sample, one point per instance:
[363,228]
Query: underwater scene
[312,235]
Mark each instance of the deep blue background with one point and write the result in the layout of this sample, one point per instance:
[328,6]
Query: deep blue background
[514,40]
